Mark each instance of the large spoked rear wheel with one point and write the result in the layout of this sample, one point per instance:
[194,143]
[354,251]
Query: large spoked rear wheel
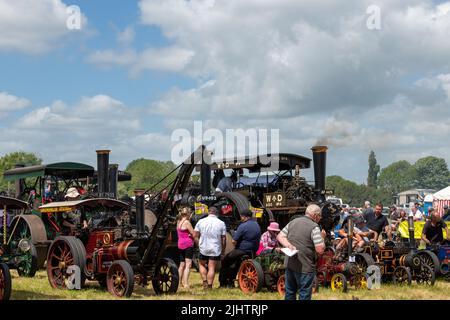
[63,253]
[28,263]
[31,228]
[120,279]
[363,261]
[166,278]
[250,276]
[401,276]
[339,282]
[5,282]
[425,275]
[430,258]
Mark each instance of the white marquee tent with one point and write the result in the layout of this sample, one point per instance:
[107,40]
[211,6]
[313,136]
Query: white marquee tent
[441,198]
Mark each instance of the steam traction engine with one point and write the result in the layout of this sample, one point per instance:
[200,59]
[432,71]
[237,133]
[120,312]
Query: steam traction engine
[401,262]
[118,251]
[337,273]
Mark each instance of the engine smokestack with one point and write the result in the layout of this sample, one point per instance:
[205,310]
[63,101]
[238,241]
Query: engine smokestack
[19,183]
[113,179]
[140,210]
[102,172]
[320,162]
[205,174]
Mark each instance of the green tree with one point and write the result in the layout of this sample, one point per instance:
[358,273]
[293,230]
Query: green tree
[9,161]
[374,169]
[355,194]
[146,173]
[431,173]
[349,191]
[397,177]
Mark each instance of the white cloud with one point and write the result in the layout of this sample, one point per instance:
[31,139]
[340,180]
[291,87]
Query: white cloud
[61,131]
[172,59]
[33,27]
[126,36]
[314,70]
[10,103]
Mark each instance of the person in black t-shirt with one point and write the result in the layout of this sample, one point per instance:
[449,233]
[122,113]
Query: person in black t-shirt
[377,222]
[432,230]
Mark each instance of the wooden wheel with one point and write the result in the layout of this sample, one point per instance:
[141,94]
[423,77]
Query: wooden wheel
[339,282]
[120,279]
[401,276]
[166,278]
[281,289]
[250,276]
[5,282]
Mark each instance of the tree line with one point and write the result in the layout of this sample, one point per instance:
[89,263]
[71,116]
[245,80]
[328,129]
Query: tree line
[384,184]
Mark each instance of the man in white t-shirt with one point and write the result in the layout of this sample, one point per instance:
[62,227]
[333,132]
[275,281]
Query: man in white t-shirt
[210,233]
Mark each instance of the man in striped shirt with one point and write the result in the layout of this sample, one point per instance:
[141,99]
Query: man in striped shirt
[302,234]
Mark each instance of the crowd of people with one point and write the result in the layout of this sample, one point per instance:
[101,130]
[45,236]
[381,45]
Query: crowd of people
[302,234]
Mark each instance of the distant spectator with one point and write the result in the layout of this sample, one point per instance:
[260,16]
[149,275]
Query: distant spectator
[246,240]
[367,208]
[363,231]
[343,214]
[226,184]
[446,213]
[72,194]
[418,216]
[432,230]
[397,218]
[210,233]
[393,212]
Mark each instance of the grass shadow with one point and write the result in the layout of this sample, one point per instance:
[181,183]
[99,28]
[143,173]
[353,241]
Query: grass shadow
[27,295]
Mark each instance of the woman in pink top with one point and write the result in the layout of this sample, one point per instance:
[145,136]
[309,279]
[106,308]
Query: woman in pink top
[185,234]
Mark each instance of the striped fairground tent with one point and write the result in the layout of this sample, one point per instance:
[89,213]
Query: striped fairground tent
[441,198]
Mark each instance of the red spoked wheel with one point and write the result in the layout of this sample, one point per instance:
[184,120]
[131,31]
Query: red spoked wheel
[120,279]
[250,276]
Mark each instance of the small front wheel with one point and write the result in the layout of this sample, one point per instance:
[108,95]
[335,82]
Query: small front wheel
[166,277]
[120,279]
[339,282]
[401,276]
[250,276]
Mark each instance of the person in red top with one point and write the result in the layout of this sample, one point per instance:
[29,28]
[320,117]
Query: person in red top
[185,233]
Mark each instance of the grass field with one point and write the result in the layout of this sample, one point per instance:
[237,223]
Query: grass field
[38,288]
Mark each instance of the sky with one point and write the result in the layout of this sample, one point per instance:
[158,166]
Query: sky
[356,75]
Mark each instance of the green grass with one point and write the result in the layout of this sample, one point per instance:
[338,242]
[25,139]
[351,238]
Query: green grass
[38,288]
